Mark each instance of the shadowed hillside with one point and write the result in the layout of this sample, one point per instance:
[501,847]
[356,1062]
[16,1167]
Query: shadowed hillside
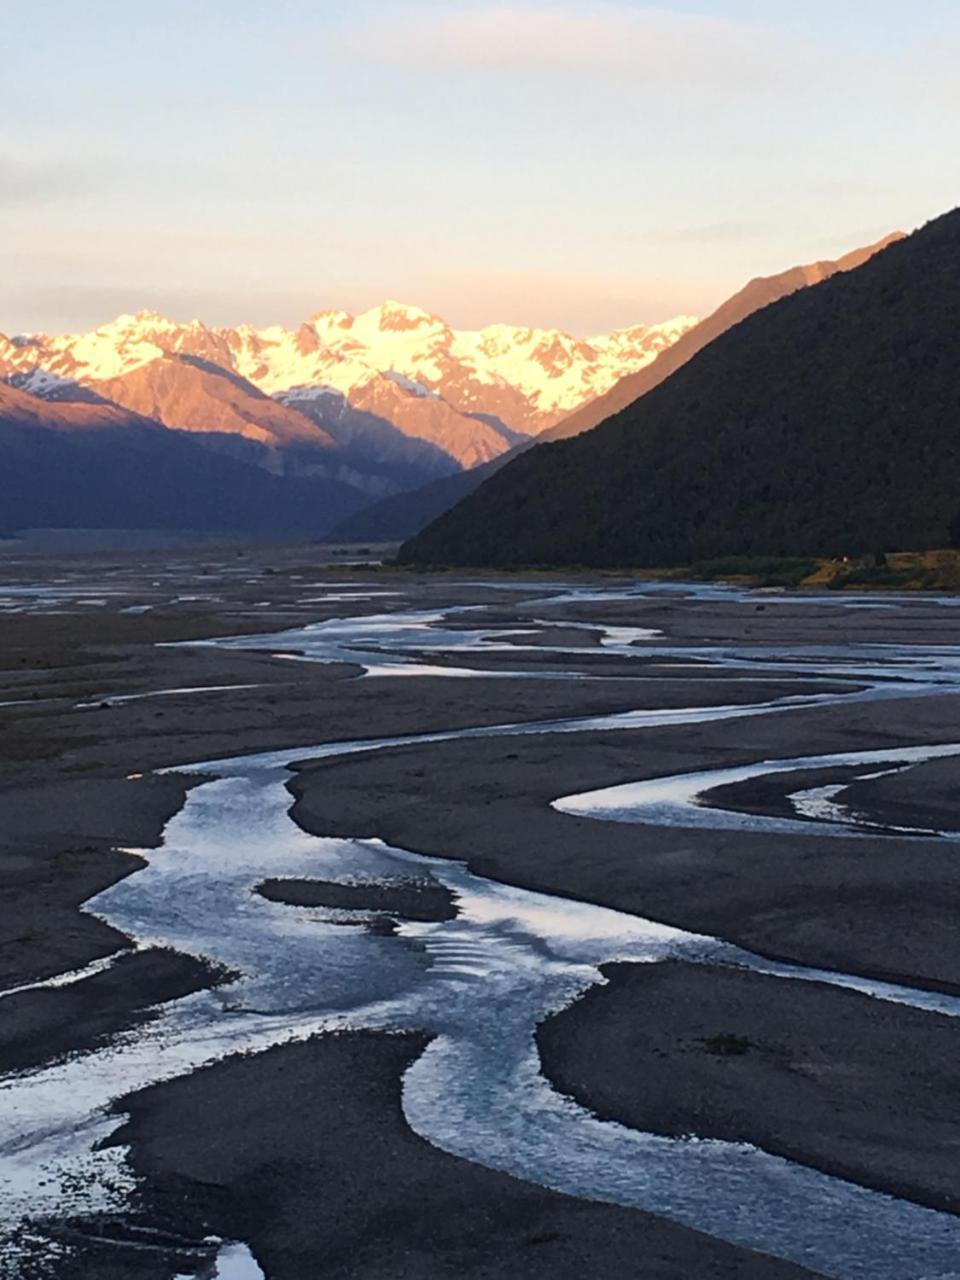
[97,466]
[825,423]
[403,514]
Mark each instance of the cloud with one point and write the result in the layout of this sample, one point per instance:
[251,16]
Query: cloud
[26,181]
[652,45]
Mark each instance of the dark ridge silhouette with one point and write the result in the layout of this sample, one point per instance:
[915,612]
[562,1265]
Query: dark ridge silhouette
[752,297]
[825,423]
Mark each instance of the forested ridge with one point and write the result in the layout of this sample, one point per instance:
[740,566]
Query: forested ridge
[826,423]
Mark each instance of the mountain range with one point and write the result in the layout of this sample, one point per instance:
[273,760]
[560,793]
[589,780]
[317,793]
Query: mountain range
[369,405]
[824,423]
[512,381]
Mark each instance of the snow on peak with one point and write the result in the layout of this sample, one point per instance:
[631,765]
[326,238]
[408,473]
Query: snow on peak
[400,316]
[529,378]
[139,320]
[393,318]
[320,392]
[409,384]
[44,383]
[644,342]
[325,321]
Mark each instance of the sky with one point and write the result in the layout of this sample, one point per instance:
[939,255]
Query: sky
[576,165]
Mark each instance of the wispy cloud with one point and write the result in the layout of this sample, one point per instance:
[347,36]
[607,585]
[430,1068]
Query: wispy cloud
[29,181]
[651,44]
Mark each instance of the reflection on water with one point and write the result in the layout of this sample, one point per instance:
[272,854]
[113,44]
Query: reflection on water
[678,801]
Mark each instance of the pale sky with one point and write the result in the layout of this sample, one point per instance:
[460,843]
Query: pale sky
[580,165]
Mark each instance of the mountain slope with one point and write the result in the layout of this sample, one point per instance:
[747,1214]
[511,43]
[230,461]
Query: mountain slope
[767,442]
[757,294]
[188,393]
[19,406]
[369,441]
[469,440]
[68,465]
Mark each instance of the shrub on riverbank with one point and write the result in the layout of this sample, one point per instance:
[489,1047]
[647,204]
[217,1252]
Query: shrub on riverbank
[880,571]
[896,571]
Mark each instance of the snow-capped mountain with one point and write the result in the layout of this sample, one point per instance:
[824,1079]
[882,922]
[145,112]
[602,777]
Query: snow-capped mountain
[524,379]
[528,378]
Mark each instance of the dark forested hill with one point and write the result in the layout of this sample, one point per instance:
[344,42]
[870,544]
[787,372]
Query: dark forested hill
[828,422]
[752,297]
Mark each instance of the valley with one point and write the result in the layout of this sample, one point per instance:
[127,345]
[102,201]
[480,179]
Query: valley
[241,792]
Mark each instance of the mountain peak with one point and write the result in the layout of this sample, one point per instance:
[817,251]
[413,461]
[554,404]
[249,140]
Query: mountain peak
[137,320]
[677,324]
[399,317]
[331,319]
